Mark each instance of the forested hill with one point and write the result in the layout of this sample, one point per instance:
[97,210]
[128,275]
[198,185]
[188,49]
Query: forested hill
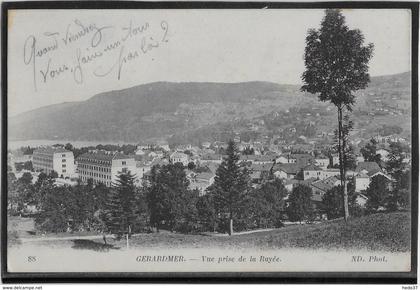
[164,109]
[150,110]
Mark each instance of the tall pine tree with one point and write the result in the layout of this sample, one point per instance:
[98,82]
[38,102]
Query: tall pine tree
[120,208]
[231,183]
[112,214]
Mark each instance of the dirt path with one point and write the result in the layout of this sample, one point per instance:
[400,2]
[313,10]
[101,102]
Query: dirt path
[43,239]
[240,233]
[94,237]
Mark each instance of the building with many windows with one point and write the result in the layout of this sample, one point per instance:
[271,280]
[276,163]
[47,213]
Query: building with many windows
[104,167]
[51,159]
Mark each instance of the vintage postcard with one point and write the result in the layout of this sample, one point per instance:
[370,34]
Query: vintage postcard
[219,141]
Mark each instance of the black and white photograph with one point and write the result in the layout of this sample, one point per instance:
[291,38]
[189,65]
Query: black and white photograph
[219,141]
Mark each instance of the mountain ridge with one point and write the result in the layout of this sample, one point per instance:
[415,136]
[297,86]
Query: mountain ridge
[162,109]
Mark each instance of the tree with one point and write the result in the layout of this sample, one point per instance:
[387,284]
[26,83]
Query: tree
[405,181]
[121,208]
[58,210]
[156,197]
[26,179]
[299,206]
[142,219]
[377,193]
[43,185]
[332,202]
[206,213]
[369,152]
[27,150]
[191,165]
[231,184]
[90,201]
[27,165]
[113,214]
[69,147]
[25,191]
[268,203]
[336,65]
[12,194]
[65,208]
[171,204]
[11,179]
[395,166]
[400,194]
[399,198]
[54,174]
[187,219]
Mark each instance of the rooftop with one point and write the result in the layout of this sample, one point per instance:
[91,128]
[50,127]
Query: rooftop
[290,168]
[257,157]
[103,156]
[260,167]
[326,184]
[307,181]
[52,150]
[312,167]
[210,156]
[178,155]
[205,175]
[370,167]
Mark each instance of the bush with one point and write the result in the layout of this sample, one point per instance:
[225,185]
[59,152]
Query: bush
[300,207]
[24,165]
[377,193]
[356,210]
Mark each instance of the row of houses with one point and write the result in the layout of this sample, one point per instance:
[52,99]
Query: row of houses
[103,167]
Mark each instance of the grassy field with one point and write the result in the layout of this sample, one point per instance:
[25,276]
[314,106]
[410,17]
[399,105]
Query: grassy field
[379,232]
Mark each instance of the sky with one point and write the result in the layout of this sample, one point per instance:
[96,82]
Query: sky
[57,56]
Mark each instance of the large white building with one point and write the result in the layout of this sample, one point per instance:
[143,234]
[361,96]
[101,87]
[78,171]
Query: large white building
[104,167]
[54,159]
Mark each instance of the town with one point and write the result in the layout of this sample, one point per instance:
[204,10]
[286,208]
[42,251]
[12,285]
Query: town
[305,163]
